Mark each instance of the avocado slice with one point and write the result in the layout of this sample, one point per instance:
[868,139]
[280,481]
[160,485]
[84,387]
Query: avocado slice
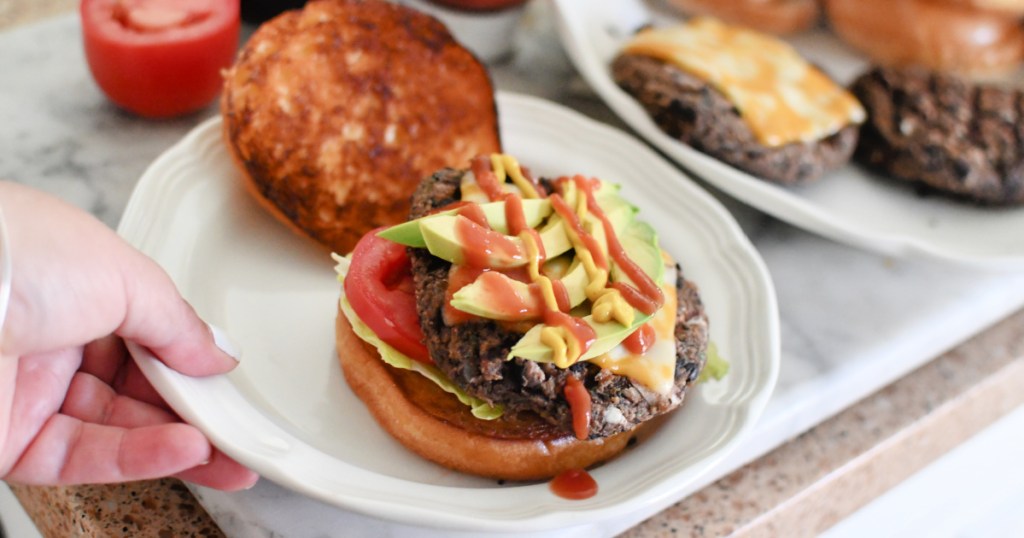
[440,238]
[443,241]
[409,234]
[474,298]
[641,244]
[607,336]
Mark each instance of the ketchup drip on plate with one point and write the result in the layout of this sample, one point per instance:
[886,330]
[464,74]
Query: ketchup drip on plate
[574,484]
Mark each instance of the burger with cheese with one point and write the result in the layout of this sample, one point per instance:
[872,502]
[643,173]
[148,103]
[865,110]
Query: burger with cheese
[516,327]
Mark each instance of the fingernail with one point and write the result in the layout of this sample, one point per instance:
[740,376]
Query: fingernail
[225,343]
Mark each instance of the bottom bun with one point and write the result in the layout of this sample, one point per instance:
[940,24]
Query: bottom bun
[435,425]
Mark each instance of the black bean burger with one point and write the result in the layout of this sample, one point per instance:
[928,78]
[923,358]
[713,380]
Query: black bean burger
[516,328]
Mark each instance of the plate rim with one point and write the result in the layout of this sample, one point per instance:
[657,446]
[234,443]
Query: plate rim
[764,196]
[177,389]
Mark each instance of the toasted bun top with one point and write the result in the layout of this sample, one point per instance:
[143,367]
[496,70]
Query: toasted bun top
[337,111]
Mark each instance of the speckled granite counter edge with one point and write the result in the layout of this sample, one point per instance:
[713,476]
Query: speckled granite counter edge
[163,508]
[810,483]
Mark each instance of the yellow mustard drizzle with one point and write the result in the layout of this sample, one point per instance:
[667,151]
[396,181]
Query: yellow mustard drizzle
[607,303]
[611,305]
[652,370]
[598,278]
[533,268]
[504,166]
[565,350]
[471,191]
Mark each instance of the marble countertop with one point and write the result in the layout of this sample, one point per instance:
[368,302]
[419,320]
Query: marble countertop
[880,375]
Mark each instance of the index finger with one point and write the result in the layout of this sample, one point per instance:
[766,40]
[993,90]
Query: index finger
[160,319]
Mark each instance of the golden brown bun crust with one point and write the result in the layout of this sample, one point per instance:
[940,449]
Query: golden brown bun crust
[336,112]
[943,36]
[436,425]
[1008,7]
[772,16]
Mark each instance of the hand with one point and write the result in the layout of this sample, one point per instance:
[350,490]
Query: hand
[74,407]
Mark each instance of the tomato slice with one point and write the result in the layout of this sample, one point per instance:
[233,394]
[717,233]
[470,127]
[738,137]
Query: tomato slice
[160,58]
[380,289]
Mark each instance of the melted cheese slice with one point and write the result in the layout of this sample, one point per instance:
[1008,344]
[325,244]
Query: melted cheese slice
[781,97]
[656,368]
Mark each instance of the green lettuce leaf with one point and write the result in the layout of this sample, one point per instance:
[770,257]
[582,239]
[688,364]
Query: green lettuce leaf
[397,359]
[716,367]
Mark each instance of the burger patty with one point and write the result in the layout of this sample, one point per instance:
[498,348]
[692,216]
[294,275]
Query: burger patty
[943,132]
[473,354]
[690,110]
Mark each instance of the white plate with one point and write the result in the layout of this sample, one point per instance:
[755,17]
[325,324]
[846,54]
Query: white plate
[849,205]
[286,411]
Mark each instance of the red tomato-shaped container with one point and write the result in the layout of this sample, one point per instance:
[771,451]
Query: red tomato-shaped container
[480,5]
[160,58]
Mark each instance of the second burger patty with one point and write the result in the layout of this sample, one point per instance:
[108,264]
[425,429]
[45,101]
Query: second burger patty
[944,132]
[693,112]
[473,353]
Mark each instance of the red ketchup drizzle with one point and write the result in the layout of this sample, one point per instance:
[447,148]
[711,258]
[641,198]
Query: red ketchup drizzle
[479,240]
[521,273]
[457,204]
[458,277]
[510,305]
[640,340]
[514,215]
[515,218]
[480,243]
[541,192]
[506,303]
[647,296]
[561,295]
[574,484]
[474,213]
[579,403]
[573,221]
[485,177]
